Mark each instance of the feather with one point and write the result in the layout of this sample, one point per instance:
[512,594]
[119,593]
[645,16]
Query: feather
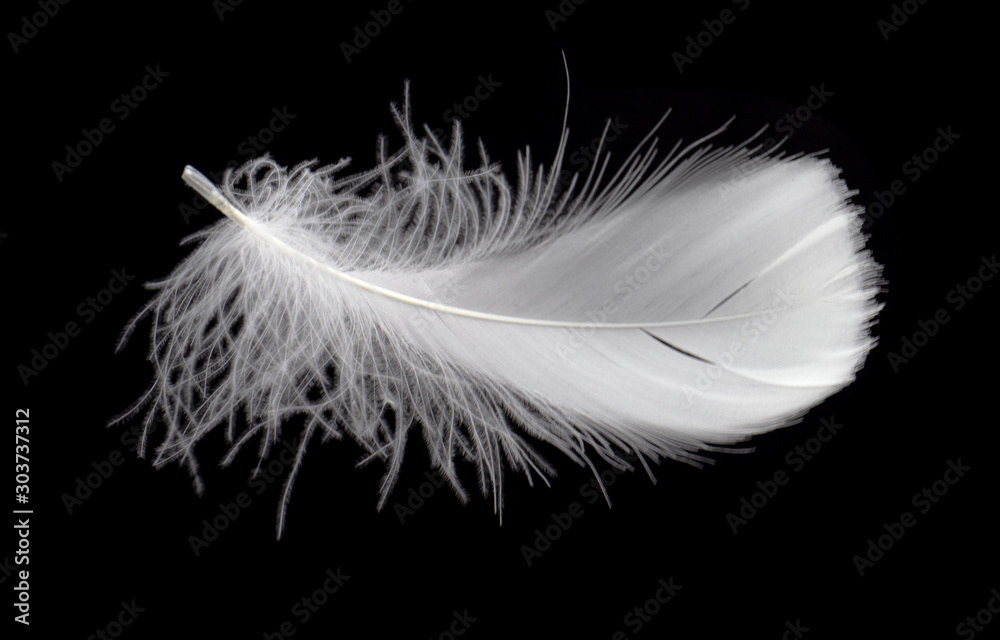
[669,310]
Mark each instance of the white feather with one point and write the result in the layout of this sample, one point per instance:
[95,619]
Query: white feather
[680,304]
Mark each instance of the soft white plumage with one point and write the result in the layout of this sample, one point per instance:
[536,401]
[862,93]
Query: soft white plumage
[688,301]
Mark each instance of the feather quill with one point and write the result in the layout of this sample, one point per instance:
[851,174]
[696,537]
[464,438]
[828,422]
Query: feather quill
[659,312]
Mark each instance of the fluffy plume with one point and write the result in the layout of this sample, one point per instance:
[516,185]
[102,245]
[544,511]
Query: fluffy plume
[678,306]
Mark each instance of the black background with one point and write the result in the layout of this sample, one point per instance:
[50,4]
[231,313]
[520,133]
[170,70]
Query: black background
[791,563]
